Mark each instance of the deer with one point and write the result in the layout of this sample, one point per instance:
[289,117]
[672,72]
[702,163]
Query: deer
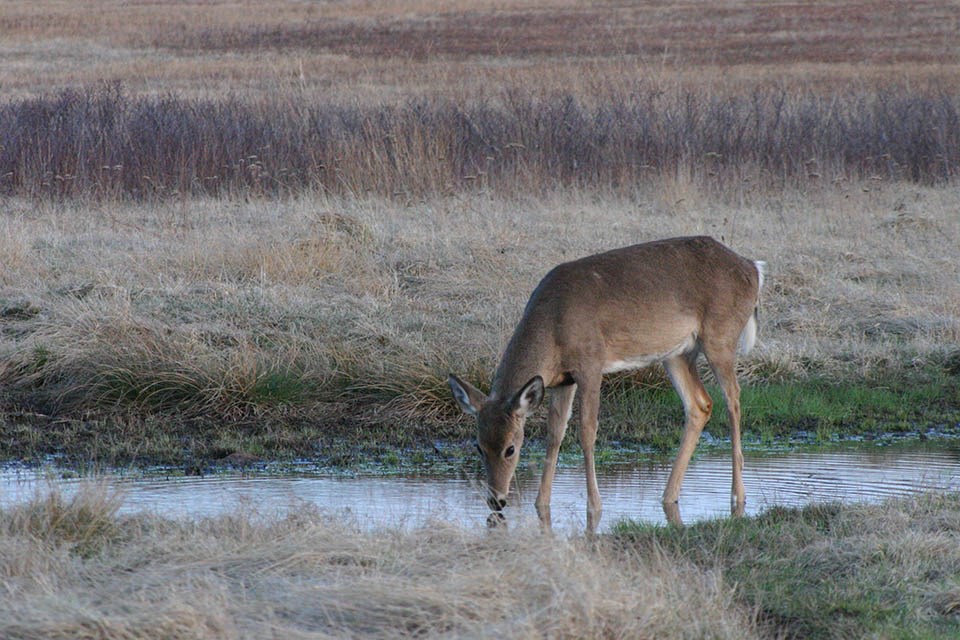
[666,301]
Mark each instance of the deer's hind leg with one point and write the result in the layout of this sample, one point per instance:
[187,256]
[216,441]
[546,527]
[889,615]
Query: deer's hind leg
[697,407]
[725,370]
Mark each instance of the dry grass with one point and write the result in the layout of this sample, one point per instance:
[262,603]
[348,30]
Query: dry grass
[218,307]
[415,98]
[103,143]
[249,575]
[71,567]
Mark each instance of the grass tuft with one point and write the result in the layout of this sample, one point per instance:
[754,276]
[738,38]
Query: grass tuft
[82,523]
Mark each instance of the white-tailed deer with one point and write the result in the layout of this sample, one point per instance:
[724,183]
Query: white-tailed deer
[666,301]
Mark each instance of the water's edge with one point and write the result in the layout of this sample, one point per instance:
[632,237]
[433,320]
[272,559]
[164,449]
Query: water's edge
[630,487]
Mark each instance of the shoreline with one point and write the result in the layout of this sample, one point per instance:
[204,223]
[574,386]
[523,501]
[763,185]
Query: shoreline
[162,440]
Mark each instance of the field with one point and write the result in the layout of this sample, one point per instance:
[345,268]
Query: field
[273,233]
[264,231]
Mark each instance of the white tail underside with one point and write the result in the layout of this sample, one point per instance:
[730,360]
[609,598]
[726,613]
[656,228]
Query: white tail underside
[748,337]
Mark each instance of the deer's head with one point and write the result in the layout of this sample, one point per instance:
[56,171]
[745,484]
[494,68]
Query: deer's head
[499,430]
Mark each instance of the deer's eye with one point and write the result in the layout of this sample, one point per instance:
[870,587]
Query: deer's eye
[509,452]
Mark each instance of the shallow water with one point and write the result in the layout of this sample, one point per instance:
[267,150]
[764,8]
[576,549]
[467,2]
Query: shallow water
[629,490]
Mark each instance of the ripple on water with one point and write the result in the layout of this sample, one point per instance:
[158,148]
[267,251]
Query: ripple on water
[629,490]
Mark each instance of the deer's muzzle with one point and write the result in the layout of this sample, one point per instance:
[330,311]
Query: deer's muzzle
[496,503]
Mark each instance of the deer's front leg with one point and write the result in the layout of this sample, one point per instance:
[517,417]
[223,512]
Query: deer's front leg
[561,402]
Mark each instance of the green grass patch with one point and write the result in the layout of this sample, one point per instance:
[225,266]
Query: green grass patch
[278,387]
[852,407]
[813,409]
[828,571]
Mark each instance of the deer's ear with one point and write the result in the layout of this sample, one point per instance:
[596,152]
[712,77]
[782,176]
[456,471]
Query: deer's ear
[529,397]
[467,396]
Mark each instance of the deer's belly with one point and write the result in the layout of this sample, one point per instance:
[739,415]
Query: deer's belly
[645,360]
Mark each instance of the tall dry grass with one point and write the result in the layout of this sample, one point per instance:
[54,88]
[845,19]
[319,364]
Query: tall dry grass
[104,143]
[252,575]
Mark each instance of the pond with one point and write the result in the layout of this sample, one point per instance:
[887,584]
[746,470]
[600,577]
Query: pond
[629,489]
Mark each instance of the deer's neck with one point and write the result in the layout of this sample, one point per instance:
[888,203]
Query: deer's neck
[529,353]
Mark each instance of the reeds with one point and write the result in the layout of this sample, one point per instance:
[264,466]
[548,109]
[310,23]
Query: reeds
[102,142]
